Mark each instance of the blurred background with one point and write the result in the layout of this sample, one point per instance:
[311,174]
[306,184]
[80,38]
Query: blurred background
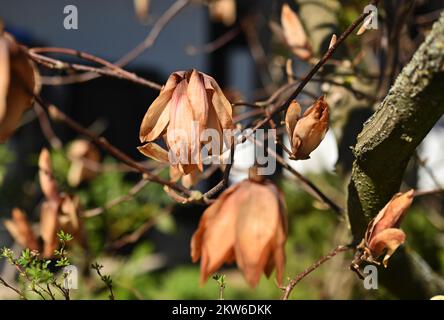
[144,242]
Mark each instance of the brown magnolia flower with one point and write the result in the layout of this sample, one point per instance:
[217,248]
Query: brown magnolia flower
[189,103]
[246,224]
[18,81]
[57,212]
[306,132]
[294,33]
[84,158]
[383,235]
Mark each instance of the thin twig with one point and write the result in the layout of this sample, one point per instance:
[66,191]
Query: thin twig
[419,193]
[306,184]
[275,109]
[110,70]
[114,202]
[215,44]
[314,266]
[4,283]
[45,125]
[154,33]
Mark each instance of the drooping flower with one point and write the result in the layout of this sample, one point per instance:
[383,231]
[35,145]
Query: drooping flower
[246,224]
[383,235]
[18,82]
[306,133]
[190,103]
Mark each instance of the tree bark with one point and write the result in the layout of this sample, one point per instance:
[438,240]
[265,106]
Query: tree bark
[385,145]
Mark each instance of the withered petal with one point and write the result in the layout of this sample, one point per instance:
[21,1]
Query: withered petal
[154,151]
[391,215]
[214,237]
[23,83]
[220,104]
[180,132]
[387,240]
[156,118]
[4,76]
[255,228]
[198,98]
[291,117]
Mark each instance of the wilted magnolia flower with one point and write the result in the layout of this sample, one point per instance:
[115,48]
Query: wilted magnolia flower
[293,33]
[306,133]
[85,158]
[57,212]
[189,104]
[383,234]
[18,81]
[246,224]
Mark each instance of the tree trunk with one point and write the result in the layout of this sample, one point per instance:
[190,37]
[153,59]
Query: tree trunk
[385,145]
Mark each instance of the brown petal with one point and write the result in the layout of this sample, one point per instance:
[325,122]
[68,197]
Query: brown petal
[154,151]
[294,33]
[391,215]
[21,230]
[156,118]
[281,236]
[181,131]
[213,123]
[292,116]
[4,76]
[198,97]
[23,82]
[220,103]
[47,181]
[256,228]
[387,240]
[48,227]
[213,240]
